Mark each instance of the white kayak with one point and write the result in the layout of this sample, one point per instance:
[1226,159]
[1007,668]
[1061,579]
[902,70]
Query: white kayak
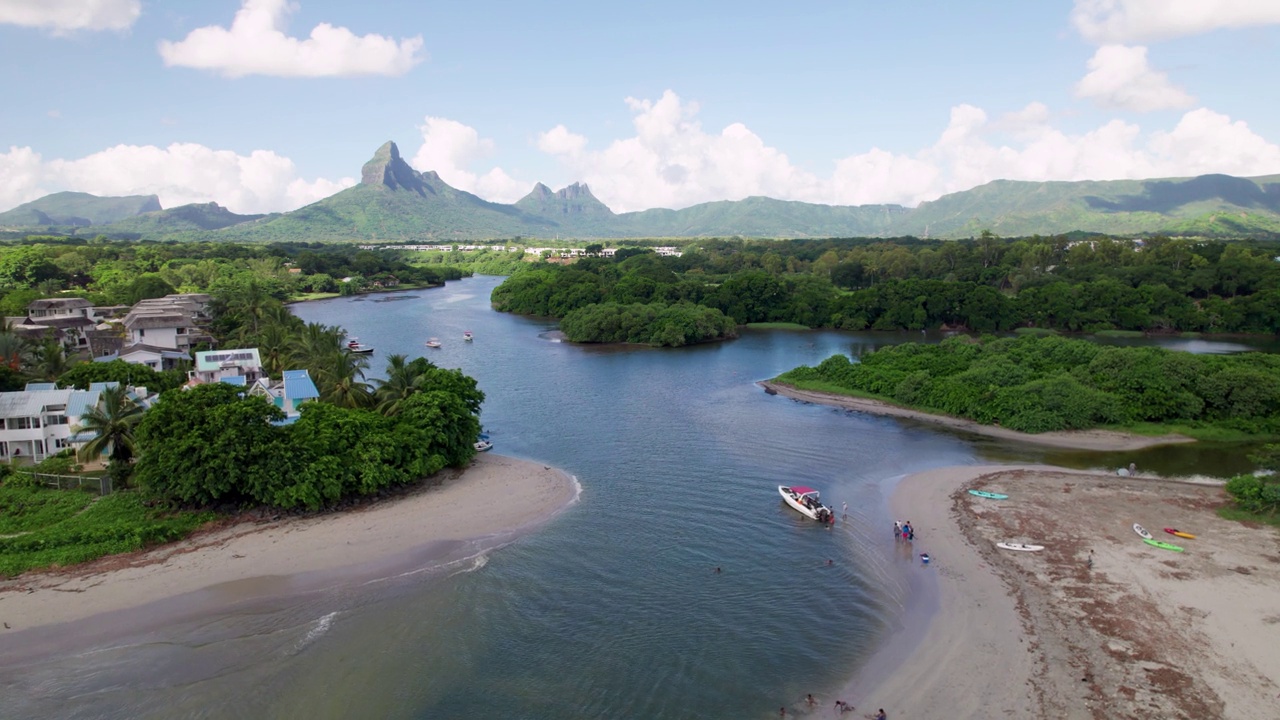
[1141,531]
[1019,546]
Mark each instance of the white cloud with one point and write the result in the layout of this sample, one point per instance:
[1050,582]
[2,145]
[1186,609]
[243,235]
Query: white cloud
[64,16]
[1120,78]
[1119,21]
[451,149]
[181,173]
[672,162]
[257,45]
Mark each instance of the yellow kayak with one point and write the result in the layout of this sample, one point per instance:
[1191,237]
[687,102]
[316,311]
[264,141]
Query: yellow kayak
[1179,533]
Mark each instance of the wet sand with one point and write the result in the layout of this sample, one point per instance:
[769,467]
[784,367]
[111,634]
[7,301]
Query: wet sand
[495,498]
[1101,440]
[1142,632]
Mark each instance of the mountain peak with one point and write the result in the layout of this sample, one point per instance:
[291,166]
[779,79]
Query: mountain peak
[575,199]
[388,169]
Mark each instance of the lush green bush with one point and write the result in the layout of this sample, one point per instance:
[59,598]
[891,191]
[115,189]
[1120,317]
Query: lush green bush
[125,373]
[1255,494]
[652,324]
[212,444]
[1038,384]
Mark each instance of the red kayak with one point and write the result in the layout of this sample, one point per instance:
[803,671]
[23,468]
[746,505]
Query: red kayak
[1179,533]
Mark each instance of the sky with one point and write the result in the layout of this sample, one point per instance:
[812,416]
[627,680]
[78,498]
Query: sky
[267,105]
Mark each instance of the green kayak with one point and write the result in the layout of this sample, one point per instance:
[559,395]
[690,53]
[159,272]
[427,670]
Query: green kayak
[1163,545]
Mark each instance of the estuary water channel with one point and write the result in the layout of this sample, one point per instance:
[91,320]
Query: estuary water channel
[613,609]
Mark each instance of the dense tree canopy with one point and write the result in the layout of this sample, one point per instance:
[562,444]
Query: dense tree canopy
[1050,383]
[984,285]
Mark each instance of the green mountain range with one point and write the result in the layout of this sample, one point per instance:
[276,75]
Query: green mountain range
[77,209]
[394,202]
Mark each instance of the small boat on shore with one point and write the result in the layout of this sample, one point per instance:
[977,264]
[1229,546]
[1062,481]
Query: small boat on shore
[989,495]
[1179,533]
[433,343]
[1024,547]
[356,347]
[467,336]
[483,443]
[805,500]
[1162,545]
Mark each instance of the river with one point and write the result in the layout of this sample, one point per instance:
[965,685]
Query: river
[614,609]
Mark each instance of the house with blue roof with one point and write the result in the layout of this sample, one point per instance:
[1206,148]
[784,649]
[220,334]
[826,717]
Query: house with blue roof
[288,394]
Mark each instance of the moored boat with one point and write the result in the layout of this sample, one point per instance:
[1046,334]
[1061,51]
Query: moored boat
[806,501]
[358,348]
[483,443]
[433,343]
[466,335]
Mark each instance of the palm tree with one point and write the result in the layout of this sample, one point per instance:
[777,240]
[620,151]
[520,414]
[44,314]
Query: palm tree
[402,381]
[314,345]
[15,352]
[113,420]
[273,347]
[49,362]
[340,380]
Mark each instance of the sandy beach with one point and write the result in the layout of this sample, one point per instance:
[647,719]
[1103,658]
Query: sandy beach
[1140,632]
[496,497]
[1102,440]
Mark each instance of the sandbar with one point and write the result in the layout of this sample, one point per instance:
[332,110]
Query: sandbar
[1101,440]
[495,497]
[1136,632]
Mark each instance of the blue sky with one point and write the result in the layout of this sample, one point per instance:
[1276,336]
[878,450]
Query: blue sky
[265,105]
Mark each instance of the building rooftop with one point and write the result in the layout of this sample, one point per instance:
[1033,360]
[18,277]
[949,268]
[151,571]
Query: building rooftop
[59,304]
[213,360]
[298,385]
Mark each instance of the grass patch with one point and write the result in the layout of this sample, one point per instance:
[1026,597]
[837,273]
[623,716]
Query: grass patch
[1207,433]
[777,326]
[1034,331]
[303,297]
[833,389]
[66,527]
[1120,334]
[1230,512]
[23,510]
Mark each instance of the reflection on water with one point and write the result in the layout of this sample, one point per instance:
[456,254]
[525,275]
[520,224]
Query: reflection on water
[614,609]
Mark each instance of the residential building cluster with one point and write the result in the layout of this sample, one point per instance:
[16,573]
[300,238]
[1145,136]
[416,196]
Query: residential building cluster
[41,420]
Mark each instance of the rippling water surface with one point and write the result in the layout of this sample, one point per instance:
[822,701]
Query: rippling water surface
[611,611]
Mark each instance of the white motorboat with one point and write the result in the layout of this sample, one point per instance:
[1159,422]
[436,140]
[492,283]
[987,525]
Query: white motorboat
[483,443]
[466,335]
[358,348]
[433,343]
[805,501]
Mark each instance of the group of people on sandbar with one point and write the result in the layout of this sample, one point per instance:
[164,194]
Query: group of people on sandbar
[841,707]
[902,530]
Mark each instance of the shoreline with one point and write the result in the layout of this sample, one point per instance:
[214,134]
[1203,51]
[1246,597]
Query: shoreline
[1136,632]
[1099,440]
[489,503]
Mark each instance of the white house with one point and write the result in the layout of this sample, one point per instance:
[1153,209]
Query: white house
[66,319]
[156,358]
[222,365]
[37,421]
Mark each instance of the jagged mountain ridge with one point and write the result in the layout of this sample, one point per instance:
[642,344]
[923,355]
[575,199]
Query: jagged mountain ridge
[394,202]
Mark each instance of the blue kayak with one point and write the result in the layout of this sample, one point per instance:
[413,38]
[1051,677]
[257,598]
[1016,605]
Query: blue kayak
[989,495]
